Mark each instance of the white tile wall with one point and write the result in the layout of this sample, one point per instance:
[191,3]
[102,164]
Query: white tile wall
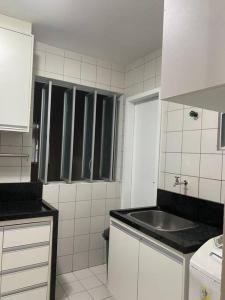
[63,65]
[143,74]
[84,207]
[83,215]
[188,147]
[76,68]
[189,150]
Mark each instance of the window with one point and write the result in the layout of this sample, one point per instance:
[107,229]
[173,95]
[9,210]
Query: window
[74,134]
[221,135]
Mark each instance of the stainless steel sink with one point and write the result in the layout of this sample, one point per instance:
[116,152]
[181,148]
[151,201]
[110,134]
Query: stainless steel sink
[161,220]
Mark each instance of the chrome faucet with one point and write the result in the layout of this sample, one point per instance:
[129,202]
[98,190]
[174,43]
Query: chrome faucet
[178,182]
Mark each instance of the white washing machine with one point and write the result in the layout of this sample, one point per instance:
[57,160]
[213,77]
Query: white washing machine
[205,271]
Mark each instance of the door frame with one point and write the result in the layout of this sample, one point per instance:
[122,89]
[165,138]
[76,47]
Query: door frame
[150,95]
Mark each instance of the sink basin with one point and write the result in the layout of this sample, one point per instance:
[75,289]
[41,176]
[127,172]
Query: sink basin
[161,220]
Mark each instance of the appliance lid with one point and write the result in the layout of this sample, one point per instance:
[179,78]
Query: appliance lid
[208,260]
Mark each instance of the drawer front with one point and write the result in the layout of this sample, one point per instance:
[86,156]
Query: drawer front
[23,279]
[26,234]
[25,257]
[1,238]
[35,294]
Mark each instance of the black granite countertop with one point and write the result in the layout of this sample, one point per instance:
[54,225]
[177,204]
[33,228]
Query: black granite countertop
[26,210]
[23,200]
[185,241]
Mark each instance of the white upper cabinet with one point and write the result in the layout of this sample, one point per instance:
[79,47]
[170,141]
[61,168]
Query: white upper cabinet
[16,61]
[193,60]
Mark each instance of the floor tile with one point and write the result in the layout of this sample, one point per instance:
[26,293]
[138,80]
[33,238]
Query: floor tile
[73,288]
[68,277]
[102,277]
[98,269]
[80,296]
[99,293]
[82,274]
[86,284]
[59,293]
[91,282]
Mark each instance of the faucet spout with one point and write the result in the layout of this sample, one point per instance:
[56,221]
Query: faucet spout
[178,182]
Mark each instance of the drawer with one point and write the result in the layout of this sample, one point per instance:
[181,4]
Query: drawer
[22,279]
[25,257]
[35,294]
[19,235]
[1,238]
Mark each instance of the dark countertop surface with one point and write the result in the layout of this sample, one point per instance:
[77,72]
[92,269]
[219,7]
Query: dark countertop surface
[23,200]
[26,210]
[207,215]
[185,241]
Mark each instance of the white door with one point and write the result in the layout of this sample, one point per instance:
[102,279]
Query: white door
[123,264]
[145,153]
[160,274]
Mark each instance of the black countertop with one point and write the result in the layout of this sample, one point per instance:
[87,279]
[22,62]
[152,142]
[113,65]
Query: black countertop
[23,200]
[185,241]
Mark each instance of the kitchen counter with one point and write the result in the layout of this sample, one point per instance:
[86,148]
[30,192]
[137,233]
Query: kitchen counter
[209,221]
[24,201]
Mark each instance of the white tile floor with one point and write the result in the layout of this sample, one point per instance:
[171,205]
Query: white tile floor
[86,284]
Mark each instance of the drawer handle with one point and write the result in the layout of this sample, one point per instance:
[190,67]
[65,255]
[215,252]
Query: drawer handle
[23,247]
[26,289]
[26,225]
[162,250]
[30,267]
[126,230]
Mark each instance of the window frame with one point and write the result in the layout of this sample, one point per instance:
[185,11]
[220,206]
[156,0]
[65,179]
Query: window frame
[113,155]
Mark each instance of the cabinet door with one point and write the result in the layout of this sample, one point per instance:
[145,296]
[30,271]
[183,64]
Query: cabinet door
[193,51]
[123,264]
[16,58]
[160,274]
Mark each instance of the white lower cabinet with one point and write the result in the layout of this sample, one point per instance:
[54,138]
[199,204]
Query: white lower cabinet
[34,294]
[25,259]
[160,274]
[25,234]
[23,279]
[141,268]
[123,264]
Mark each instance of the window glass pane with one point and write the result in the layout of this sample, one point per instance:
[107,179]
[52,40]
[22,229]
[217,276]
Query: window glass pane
[67,140]
[55,136]
[108,128]
[89,124]
[36,130]
[222,129]
[98,137]
[78,135]
[44,132]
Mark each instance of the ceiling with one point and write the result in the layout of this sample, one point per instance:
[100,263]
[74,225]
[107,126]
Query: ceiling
[115,30]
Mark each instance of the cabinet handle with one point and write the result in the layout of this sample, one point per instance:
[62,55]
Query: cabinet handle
[20,269]
[162,250]
[125,230]
[26,225]
[26,289]
[23,247]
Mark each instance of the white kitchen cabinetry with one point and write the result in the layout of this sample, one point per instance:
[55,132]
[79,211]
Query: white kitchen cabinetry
[193,61]
[141,268]
[160,273]
[123,264]
[25,250]
[16,62]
